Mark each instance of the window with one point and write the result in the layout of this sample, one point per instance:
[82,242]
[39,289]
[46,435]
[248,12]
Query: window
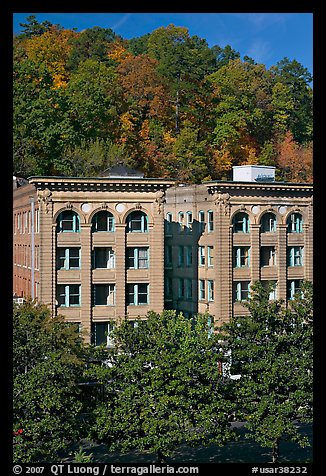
[241,290]
[101,333]
[189,221]
[201,219]
[295,256]
[293,288]
[168,255]
[210,255]
[103,221]
[201,255]
[103,257]
[68,258]
[180,255]
[19,223]
[181,288]
[294,223]
[241,223]
[188,255]
[137,258]
[137,294]
[210,221]
[188,288]
[181,218]
[168,287]
[137,222]
[267,256]
[103,294]
[68,221]
[210,290]
[68,295]
[268,223]
[201,293]
[168,223]
[271,285]
[37,220]
[241,257]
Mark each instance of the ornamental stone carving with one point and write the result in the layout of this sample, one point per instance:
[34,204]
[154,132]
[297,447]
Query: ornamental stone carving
[222,199]
[160,200]
[44,196]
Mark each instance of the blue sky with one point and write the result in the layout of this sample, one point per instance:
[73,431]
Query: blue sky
[266,37]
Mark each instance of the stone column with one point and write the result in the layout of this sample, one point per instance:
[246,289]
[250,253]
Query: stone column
[86,282]
[282,260]
[120,263]
[47,255]
[224,266]
[156,265]
[308,251]
[254,252]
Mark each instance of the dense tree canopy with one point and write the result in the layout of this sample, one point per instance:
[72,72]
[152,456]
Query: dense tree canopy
[156,96]
[163,387]
[47,366]
[272,349]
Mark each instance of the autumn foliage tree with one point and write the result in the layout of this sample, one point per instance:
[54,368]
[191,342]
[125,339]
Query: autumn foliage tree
[174,105]
[294,160]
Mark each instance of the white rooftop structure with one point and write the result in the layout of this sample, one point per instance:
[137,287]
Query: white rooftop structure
[253,173]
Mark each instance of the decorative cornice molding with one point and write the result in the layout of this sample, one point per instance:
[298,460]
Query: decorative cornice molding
[44,197]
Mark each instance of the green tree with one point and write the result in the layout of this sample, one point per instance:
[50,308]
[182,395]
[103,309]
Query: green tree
[163,388]
[184,61]
[224,55]
[93,101]
[298,81]
[47,364]
[272,347]
[34,28]
[92,43]
[41,123]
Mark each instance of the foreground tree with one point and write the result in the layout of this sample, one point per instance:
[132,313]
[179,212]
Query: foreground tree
[163,388]
[47,364]
[272,348]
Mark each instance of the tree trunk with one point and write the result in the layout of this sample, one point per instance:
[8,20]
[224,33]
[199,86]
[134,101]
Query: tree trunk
[275,453]
[160,457]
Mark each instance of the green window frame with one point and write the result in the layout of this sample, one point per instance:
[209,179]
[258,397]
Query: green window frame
[68,258]
[137,222]
[68,295]
[68,222]
[103,221]
[137,294]
[137,258]
[241,223]
[294,223]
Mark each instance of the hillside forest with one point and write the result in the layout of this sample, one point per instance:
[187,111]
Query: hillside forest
[164,103]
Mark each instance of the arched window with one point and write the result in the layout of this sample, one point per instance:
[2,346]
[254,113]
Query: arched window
[268,223]
[168,222]
[103,221]
[294,223]
[241,223]
[137,222]
[68,221]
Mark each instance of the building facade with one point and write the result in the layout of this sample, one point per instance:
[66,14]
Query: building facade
[98,250]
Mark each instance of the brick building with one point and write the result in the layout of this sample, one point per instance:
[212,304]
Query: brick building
[99,249]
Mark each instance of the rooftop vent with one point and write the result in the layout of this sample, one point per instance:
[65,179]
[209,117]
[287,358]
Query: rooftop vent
[253,173]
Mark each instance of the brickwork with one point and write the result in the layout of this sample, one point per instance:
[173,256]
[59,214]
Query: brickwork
[193,248]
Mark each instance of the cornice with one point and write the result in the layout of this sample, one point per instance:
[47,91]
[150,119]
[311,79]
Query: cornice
[275,186]
[100,184]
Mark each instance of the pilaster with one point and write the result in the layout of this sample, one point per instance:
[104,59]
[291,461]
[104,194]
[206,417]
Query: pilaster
[282,260]
[86,281]
[254,252]
[120,263]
